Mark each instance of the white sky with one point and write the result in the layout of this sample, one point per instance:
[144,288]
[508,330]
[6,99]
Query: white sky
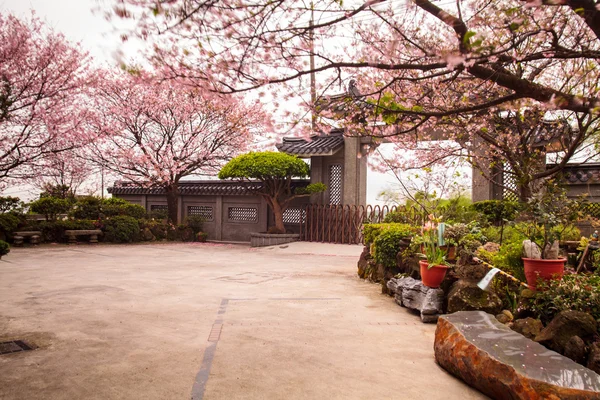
[76,20]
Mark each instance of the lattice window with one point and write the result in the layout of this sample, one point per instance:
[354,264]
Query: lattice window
[205,212]
[335,184]
[294,215]
[159,207]
[242,214]
[509,181]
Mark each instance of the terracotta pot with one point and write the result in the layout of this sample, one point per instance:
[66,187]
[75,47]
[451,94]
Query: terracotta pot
[450,252]
[543,269]
[432,277]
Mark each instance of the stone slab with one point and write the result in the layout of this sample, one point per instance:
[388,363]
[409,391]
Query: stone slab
[503,364]
[82,232]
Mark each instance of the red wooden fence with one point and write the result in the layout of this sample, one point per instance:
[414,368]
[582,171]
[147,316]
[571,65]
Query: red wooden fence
[343,224]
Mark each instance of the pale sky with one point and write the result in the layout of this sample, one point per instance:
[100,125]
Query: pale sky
[76,20]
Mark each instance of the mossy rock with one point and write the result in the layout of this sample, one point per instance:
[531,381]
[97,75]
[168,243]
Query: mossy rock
[467,296]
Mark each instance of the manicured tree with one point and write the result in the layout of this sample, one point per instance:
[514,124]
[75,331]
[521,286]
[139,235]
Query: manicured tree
[275,170]
[155,132]
[43,103]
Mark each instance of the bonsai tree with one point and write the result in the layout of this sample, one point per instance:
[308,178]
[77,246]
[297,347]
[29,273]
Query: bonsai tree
[551,212]
[275,170]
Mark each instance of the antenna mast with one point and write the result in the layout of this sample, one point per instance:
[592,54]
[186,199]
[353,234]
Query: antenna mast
[313,87]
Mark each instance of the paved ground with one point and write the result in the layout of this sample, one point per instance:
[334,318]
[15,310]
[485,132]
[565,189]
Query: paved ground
[207,321]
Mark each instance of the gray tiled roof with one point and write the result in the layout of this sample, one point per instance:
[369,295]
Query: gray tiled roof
[577,174]
[214,188]
[318,145]
[342,104]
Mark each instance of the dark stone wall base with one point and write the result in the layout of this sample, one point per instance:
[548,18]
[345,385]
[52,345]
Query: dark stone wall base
[271,239]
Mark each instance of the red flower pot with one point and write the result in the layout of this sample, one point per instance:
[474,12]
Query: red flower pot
[432,277]
[543,269]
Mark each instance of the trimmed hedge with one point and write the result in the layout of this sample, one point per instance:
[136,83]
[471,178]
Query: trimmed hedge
[122,229]
[385,239]
[50,207]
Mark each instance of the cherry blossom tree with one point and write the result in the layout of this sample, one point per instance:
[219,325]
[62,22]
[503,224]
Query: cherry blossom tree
[428,69]
[43,84]
[62,174]
[420,60]
[156,132]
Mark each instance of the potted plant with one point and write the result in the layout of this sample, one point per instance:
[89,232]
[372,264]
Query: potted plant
[434,267]
[453,235]
[551,212]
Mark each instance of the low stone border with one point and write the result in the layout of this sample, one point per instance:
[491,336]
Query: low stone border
[272,239]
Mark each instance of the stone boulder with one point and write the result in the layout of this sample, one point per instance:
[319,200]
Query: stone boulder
[593,362]
[392,286]
[471,272]
[505,317]
[412,294]
[147,235]
[528,327]
[576,350]
[467,296]
[491,247]
[531,250]
[502,364]
[363,262]
[564,326]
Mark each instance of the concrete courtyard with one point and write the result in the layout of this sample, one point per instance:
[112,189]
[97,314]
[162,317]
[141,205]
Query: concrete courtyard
[209,321]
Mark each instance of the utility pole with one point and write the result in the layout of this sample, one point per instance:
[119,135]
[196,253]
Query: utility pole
[313,87]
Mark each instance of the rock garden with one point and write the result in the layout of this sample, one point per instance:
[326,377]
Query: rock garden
[482,254]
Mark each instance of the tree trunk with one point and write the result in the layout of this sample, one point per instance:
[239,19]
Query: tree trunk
[172,202]
[525,190]
[278,213]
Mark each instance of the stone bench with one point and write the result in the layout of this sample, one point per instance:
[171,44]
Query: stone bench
[92,233]
[503,364]
[34,237]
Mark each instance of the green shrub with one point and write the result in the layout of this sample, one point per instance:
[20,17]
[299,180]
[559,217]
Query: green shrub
[496,212]
[121,229]
[9,223]
[457,209]
[160,214]
[195,222]
[4,248]
[386,244]
[508,258]
[54,231]
[111,209]
[185,233]
[371,231]
[89,207]
[158,228]
[50,207]
[577,292]
[569,232]
[399,217]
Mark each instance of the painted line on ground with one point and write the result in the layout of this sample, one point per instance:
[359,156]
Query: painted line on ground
[215,334]
[209,353]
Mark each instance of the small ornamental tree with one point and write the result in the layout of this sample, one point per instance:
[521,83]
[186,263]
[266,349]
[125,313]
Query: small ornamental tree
[275,170]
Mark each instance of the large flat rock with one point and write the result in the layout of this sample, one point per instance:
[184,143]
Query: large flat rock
[503,364]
